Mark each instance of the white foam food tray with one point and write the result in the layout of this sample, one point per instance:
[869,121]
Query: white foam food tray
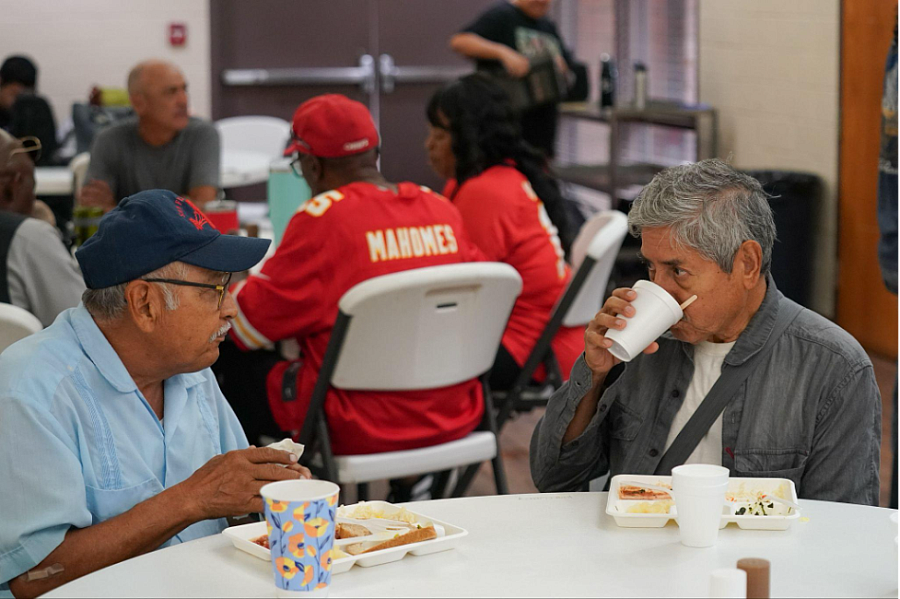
[780,517]
[241,536]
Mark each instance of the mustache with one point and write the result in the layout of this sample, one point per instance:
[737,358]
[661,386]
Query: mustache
[222,331]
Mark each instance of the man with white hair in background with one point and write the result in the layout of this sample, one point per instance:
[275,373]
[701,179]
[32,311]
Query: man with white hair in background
[162,148]
[112,426]
[777,390]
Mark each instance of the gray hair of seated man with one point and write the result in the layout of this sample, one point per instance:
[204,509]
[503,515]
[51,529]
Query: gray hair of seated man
[710,207]
[109,303]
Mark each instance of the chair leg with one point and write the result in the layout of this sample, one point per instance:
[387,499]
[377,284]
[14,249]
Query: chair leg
[499,475]
[329,466]
[506,408]
[362,492]
[465,480]
[439,487]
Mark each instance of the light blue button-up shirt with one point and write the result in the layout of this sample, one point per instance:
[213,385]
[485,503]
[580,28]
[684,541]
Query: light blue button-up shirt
[79,443]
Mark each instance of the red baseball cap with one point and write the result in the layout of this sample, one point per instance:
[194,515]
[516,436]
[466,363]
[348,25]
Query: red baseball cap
[331,126]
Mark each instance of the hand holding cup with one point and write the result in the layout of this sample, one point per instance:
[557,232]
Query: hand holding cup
[610,317]
[229,484]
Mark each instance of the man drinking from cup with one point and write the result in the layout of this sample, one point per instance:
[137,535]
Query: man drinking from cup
[112,426]
[747,379]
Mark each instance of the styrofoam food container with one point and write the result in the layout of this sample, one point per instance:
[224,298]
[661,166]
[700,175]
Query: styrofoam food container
[655,312]
[241,536]
[616,507]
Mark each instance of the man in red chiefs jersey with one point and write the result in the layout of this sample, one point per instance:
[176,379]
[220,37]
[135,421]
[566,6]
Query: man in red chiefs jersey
[357,226]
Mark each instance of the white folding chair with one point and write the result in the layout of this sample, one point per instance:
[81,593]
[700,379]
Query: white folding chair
[79,167]
[425,328]
[266,135]
[593,255]
[16,323]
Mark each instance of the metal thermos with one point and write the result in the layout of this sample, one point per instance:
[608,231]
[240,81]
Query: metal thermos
[608,77]
[640,86]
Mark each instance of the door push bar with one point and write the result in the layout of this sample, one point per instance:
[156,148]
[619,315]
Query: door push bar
[363,75]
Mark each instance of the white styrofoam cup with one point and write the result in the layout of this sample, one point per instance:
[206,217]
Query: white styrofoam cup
[699,491]
[655,311]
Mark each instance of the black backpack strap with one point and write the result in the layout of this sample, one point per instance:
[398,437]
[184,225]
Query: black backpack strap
[720,396]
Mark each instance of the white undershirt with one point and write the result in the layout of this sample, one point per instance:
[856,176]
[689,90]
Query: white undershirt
[708,358]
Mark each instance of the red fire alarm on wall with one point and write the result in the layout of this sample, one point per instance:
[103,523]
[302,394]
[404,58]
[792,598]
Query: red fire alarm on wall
[177,34]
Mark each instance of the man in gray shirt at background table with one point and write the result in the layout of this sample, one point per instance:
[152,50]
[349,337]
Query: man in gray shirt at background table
[163,148]
[809,409]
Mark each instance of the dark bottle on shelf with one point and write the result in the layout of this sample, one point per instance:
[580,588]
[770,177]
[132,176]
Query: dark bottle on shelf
[607,81]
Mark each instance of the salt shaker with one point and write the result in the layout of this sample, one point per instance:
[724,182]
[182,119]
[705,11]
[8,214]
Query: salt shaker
[730,583]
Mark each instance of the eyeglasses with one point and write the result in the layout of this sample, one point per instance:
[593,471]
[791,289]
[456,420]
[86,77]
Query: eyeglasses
[220,288]
[295,166]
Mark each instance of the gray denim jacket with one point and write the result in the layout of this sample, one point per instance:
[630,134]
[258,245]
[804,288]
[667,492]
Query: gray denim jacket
[810,412]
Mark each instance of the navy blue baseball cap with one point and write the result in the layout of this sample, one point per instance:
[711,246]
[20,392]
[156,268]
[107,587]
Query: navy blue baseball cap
[153,228]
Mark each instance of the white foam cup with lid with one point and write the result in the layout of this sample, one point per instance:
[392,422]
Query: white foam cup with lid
[699,491]
[655,311]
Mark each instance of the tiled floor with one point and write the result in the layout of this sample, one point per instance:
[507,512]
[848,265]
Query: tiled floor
[516,436]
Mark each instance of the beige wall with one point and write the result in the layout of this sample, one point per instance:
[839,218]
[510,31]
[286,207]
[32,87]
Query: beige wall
[771,68]
[81,43]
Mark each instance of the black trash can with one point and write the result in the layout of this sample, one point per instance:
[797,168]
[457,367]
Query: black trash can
[794,198]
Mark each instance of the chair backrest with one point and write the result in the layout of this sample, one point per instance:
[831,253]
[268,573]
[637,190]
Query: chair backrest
[15,324]
[423,328]
[261,134]
[79,167]
[598,243]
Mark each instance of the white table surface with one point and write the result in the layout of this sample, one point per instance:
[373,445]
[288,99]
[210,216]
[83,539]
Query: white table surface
[236,170]
[548,545]
[53,181]
[239,168]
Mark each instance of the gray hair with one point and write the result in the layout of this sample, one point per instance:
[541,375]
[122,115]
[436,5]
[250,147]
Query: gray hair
[109,303]
[710,207]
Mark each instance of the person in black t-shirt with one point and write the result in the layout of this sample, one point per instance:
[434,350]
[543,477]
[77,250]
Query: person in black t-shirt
[505,37]
[23,113]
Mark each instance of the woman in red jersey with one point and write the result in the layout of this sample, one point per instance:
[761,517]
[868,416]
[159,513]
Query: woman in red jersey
[512,210]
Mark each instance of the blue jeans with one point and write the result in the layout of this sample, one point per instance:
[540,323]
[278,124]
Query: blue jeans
[893,500]
[889,216]
[891,280]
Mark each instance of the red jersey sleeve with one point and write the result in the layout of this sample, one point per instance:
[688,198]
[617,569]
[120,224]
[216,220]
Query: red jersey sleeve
[290,296]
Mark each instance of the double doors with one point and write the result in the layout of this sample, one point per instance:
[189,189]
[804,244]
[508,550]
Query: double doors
[268,56]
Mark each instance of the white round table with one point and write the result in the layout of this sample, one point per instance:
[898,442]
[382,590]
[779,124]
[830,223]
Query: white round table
[53,181]
[548,545]
[239,168]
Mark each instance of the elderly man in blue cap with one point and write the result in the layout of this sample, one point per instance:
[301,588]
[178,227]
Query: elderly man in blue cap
[114,436]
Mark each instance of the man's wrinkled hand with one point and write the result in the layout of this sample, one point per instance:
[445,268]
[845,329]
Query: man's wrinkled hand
[596,345]
[229,484]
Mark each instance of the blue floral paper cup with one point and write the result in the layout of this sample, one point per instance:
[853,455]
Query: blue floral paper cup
[300,520]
